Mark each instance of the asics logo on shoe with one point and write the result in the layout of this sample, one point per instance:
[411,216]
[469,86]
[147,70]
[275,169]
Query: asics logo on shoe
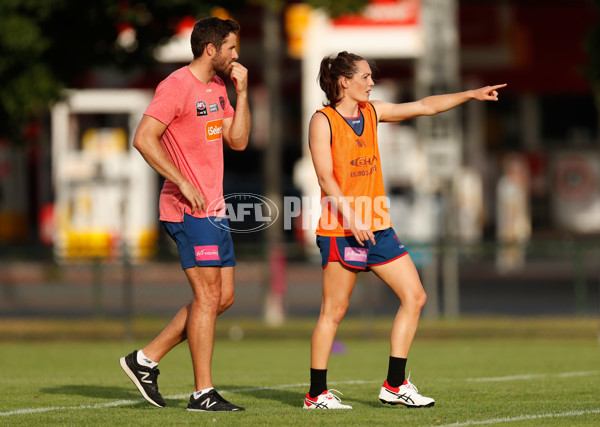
[406,398]
[316,404]
[145,376]
[402,396]
[407,394]
[207,403]
[325,400]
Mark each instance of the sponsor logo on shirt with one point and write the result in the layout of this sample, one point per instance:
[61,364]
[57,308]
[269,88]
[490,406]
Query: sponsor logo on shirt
[207,253]
[364,161]
[201,108]
[365,172]
[361,142]
[213,108]
[355,254]
[214,128]
[222,102]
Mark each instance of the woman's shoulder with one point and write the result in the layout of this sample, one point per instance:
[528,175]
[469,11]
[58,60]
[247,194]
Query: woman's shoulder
[319,118]
[327,109]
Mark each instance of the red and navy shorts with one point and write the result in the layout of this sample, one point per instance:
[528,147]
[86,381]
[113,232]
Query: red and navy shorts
[202,243]
[350,253]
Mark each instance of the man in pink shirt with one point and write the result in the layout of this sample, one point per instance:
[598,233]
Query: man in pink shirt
[181,136]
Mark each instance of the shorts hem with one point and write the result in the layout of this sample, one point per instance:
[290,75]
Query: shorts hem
[354,267]
[210,265]
[388,261]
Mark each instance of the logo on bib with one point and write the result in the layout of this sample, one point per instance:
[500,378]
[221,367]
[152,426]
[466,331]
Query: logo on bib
[364,161]
[355,254]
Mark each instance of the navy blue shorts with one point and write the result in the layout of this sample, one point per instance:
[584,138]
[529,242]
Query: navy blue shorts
[201,243]
[349,252]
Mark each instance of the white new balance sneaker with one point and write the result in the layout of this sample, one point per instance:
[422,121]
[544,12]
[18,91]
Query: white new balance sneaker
[407,395]
[326,400]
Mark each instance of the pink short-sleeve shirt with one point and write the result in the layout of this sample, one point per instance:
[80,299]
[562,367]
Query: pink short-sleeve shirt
[193,113]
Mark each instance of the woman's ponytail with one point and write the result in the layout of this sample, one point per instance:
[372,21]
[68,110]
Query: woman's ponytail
[331,69]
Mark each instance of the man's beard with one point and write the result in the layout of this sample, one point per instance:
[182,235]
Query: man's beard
[222,67]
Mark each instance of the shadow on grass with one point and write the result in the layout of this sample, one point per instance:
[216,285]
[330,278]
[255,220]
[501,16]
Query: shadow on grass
[98,391]
[286,397]
[291,398]
[118,395]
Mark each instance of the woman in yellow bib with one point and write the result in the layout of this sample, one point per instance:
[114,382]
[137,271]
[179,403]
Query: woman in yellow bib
[355,232]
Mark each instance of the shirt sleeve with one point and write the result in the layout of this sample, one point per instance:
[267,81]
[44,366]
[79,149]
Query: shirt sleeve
[228,110]
[166,104]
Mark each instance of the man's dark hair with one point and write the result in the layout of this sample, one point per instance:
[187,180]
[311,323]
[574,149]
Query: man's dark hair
[211,30]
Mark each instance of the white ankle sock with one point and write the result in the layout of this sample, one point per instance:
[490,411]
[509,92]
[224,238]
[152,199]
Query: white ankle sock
[143,360]
[199,393]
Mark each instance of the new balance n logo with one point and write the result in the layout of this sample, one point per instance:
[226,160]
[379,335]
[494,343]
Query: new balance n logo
[207,403]
[144,377]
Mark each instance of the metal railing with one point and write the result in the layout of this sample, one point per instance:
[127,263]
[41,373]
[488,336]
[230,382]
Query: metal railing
[546,277]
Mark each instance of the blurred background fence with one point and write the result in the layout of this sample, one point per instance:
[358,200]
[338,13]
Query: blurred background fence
[556,277]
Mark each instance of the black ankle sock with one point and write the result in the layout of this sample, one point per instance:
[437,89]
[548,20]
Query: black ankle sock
[318,382]
[396,371]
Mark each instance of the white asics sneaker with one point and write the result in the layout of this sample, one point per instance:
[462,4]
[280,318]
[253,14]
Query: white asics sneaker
[326,400]
[407,395]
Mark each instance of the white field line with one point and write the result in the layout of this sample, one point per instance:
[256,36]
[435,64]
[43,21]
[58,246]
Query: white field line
[67,408]
[523,418]
[304,385]
[531,376]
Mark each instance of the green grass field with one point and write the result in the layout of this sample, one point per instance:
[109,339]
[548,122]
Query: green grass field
[480,371]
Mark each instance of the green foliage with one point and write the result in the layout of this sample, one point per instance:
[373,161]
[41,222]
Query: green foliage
[333,8]
[47,45]
[27,82]
[339,7]
[592,46]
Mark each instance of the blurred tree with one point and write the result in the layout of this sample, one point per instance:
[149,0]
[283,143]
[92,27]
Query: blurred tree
[335,8]
[593,51]
[27,83]
[332,7]
[47,45]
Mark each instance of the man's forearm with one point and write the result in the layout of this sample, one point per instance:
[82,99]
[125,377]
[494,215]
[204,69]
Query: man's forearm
[239,132]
